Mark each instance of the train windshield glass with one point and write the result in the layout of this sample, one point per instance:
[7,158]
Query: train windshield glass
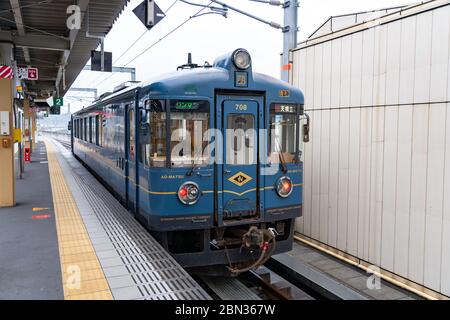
[283,133]
[189,121]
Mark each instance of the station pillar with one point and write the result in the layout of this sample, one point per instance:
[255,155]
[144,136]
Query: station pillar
[33,130]
[7,176]
[27,124]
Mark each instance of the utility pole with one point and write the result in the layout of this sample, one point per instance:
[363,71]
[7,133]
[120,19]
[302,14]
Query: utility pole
[290,28]
[290,32]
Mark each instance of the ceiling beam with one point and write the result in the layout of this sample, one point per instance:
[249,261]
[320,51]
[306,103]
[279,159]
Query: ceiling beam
[15,6]
[83,4]
[37,41]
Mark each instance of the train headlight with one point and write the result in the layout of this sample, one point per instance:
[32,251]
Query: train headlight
[284,187]
[242,59]
[189,193]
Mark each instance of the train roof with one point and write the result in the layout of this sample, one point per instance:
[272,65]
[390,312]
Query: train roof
[200,82]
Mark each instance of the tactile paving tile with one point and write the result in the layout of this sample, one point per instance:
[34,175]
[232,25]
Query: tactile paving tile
[135,264]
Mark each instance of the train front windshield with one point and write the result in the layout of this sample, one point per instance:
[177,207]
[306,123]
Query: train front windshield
[283,135]
[189,123]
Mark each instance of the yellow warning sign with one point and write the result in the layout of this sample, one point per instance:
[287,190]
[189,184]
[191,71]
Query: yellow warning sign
[240,179]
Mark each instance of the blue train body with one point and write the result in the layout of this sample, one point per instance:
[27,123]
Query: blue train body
[202,211]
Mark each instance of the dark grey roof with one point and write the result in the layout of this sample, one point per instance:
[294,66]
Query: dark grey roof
[48,42]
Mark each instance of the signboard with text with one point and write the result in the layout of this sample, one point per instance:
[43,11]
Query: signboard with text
[24,73]
[58,101]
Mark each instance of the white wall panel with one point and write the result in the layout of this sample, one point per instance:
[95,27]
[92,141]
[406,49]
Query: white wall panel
[379,80]
[445,264]
[315,201]
[325,143]
[324,176]
[440,55]
[390,145]
[346,65]
[403,188]
[408,54]
[299,67]
[423,57]
[393,62]
[309,147]
[389,187]
[335,124]
[377,169]
[367,67]
[376,185]
[353,181]
[363,230]
[315,184]
[418,192]
[356,70]
[336,52]
[344,130]
[435,185]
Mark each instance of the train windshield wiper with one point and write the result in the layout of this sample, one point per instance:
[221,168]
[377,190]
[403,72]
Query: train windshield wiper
[282,162]
[193,165]
[191,170]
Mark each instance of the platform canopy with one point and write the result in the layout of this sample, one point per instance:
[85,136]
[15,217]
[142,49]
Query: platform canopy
[42,39]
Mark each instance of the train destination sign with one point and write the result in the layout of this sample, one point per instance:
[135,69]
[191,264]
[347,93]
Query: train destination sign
[189,105]
[284,108]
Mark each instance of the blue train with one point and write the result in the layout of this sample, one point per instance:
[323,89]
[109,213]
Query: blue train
[207,158]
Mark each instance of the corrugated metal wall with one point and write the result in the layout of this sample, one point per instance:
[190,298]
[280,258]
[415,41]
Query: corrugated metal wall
[377,169]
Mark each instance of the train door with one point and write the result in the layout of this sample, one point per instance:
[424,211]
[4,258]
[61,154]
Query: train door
[131,158]
[240,198]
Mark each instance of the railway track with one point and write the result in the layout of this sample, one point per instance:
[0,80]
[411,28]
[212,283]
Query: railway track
[260,284]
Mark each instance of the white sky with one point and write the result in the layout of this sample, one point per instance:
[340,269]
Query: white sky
[207,37]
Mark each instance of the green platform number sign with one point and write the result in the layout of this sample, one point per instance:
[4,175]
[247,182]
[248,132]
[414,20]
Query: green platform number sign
[58,102]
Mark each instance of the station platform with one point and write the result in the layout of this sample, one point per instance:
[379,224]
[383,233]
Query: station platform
[333,278]
[69,238]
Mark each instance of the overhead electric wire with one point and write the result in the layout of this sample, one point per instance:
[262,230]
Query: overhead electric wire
[161,39]
[26,6]
[133,44]
[33,28]
[139,38]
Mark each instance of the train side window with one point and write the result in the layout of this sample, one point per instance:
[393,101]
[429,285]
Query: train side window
[93,130]
[99,132]
[90,130]
[81,129]
[85,136]
[283,133]
[131,128]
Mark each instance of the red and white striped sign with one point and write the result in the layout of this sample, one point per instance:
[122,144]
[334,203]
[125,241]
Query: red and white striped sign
[6,72]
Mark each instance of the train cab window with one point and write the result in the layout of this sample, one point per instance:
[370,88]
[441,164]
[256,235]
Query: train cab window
[283,133]
[189,121]
[152,128]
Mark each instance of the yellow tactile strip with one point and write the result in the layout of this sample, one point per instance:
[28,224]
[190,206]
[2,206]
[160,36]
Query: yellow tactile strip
[82,275]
